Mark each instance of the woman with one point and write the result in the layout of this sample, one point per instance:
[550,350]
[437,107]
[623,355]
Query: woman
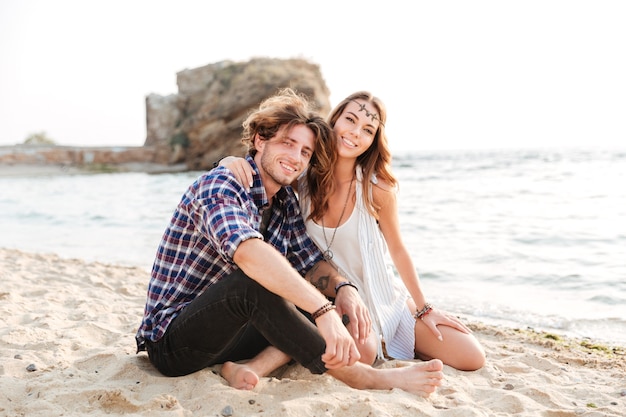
[353,211]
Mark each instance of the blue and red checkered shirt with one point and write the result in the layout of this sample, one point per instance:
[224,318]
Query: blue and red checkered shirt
[213,217]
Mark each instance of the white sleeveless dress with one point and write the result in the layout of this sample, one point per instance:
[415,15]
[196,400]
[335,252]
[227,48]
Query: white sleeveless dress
[361,255]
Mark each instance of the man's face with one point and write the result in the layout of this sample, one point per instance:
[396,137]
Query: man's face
[285,156]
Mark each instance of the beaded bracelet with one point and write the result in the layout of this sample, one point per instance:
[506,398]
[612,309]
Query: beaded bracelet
[343,284]
[323,310]
[423,312]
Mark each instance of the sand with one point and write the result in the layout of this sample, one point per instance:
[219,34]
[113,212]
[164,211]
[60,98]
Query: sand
[67,349]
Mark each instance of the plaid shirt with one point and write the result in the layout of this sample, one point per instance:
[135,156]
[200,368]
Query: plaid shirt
[214,216]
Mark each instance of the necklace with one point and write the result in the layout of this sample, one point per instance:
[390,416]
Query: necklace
[328,254]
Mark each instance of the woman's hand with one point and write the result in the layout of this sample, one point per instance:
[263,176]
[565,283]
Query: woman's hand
[240,168]
[350,304]
[437,317]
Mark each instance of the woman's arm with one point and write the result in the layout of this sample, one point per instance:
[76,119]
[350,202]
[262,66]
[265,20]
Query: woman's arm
[389,223]
[243,171]
[386,199]
[240,168]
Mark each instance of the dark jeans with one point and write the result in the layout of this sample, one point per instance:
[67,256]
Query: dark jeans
[232,320]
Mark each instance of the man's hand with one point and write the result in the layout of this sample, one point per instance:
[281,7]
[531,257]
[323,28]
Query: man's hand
[341,349]
[350,304]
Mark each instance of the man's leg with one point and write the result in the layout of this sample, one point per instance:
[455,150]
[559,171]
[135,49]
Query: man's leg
[219,325]
[421,378]
[214,324]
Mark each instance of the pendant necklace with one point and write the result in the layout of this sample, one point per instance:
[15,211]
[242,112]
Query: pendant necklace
[328,254]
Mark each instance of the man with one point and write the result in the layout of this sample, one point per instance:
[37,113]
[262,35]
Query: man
[222,291]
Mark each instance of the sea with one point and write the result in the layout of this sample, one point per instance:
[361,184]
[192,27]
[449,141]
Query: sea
[517,238]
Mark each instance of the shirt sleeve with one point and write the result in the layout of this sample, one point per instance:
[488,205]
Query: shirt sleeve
[228,215]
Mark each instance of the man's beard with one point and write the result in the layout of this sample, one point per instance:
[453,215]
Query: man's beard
[270,168]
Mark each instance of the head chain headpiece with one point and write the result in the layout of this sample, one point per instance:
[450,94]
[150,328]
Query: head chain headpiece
[373,116]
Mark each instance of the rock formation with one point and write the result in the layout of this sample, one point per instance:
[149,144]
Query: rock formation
[203,121]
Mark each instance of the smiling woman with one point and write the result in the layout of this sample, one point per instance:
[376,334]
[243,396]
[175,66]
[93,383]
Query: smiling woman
[368,237]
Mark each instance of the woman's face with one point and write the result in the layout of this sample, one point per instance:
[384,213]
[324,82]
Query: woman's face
[356,128]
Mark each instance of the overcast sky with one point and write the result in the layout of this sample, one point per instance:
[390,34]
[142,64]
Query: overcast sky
[453,74]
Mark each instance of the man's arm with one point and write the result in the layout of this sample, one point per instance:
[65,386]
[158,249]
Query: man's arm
[261,262]
[268,267]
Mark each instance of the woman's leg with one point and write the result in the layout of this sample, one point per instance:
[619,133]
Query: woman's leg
[459,350]
[368,350]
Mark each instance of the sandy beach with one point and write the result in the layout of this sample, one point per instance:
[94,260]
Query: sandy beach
[67,348]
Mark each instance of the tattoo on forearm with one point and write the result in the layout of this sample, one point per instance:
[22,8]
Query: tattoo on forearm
[321,282]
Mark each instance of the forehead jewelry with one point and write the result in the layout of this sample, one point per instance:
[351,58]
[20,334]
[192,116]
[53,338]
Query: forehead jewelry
[373,116]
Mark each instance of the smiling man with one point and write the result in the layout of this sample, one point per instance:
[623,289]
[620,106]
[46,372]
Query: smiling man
[228,274]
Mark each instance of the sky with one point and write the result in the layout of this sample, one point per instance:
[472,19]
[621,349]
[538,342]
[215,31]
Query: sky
[453,74]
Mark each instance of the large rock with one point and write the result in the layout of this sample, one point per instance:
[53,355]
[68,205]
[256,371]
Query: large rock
[203,121]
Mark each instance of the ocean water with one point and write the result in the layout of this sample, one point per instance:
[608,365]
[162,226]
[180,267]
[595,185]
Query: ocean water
[520,238]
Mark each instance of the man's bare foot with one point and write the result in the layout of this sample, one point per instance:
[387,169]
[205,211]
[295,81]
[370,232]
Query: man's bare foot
[421,378]
[239,375]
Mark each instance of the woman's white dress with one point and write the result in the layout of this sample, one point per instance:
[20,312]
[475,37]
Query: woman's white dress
[361,255]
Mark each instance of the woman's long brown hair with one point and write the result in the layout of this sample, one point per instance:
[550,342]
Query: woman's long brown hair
[375,160]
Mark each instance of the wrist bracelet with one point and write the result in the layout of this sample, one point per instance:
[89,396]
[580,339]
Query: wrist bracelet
[343,284]
[323,310]
[427,312]
[423,312]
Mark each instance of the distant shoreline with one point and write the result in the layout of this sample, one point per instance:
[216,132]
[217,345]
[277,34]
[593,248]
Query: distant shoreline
[35,160]
[36,170]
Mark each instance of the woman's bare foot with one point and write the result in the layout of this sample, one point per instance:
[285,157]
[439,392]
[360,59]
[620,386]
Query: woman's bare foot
[239,375]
